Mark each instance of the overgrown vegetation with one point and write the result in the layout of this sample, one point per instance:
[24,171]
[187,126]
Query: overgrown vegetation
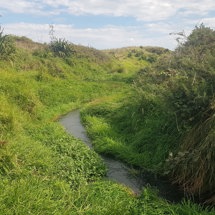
[195,113]
[43,170]
[167,124]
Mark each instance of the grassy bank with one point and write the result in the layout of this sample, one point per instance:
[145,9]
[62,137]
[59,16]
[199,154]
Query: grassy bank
[43,170]
[165,122]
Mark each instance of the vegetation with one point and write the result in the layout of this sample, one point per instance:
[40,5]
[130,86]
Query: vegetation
[197,146]
[7,48]
[61,48]
[43,170]
[166,124]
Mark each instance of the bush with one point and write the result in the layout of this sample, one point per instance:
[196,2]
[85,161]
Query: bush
[61,48]
[7,47]
[192,101]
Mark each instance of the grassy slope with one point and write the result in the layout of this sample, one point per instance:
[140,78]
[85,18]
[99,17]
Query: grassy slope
[38,160]
[42,169]
[121,125]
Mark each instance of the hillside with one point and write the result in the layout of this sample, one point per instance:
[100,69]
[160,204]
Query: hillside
[43,170]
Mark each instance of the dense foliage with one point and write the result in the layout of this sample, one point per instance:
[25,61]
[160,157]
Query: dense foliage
[193,104]
[167,123]
[187,81]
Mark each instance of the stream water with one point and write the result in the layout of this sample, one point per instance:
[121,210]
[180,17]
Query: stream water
[118,171]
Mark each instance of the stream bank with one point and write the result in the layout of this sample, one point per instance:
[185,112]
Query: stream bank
[118,171]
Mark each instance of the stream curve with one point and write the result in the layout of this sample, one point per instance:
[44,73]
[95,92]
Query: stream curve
[118,171]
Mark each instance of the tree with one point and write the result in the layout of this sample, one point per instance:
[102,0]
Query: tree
[7,47]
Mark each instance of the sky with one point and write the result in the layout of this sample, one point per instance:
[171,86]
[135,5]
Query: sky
[106,24]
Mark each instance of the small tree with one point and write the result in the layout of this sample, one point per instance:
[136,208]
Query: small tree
[7,47]
[61,48]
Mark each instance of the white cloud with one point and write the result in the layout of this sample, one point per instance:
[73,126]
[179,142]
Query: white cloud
[22,6]
[197,7]
[37,32]
[208,22]
[100,38]
[146,10]
[139,9]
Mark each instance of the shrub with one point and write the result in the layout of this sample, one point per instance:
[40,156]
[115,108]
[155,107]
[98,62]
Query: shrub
[192,101]
[61,48]
[7,47]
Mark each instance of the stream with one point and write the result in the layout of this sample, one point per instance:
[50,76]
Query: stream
[118,171]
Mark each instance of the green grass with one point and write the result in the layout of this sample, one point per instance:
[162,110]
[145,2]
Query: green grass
[119,127]
[43,170]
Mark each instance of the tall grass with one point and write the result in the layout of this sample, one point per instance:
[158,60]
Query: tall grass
[198,153]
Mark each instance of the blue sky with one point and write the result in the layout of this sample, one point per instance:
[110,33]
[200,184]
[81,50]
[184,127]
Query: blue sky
[105,24]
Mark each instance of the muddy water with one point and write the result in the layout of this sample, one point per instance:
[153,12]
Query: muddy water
[117,171]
